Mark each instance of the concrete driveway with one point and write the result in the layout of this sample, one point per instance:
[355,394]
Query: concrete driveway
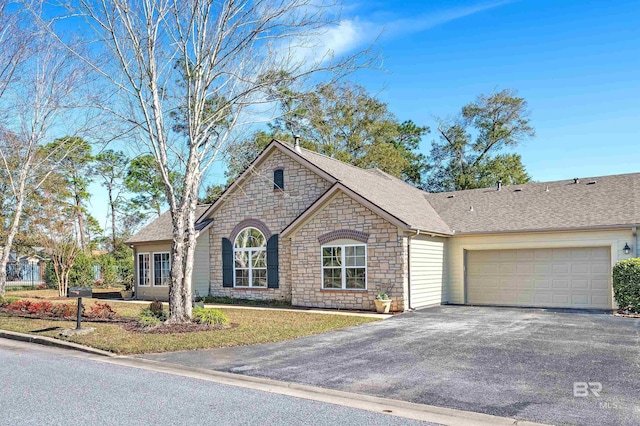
[519,363]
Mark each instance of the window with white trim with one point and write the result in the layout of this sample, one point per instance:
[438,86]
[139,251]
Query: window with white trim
[144,269]
[250,259]
[161,269]
[344,267]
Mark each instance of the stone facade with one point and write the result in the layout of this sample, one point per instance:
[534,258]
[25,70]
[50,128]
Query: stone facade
[386,258]
[256,200]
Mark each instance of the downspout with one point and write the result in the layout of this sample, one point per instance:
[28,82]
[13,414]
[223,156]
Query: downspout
[634,230]
[409,267]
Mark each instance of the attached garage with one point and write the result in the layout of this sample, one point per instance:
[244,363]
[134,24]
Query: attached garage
[577,277]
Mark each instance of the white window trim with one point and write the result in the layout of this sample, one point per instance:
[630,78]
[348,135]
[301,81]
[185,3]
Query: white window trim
[250,251]
[344,267]
[138,269]
[153,269]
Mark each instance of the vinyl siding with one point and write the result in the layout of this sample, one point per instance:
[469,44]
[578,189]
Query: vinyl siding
[201,271]
[614,239]
[427,270]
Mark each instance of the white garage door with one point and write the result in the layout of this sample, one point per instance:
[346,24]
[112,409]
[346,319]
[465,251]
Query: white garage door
[559,277]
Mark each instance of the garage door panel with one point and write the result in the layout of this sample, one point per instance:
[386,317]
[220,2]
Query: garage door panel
[560,268]
[578,284]
[600,284]
[600,268]
[558,277]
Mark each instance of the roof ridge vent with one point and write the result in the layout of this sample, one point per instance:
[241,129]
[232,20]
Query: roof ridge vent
[593,182]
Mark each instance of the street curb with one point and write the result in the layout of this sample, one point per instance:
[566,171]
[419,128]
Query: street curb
[404,409]
[50,341]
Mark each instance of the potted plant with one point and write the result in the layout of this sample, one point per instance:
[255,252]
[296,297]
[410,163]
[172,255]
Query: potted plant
[383,302]
[127,293]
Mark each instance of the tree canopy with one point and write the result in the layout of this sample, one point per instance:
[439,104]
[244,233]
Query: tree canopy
[470,151]
[345,122]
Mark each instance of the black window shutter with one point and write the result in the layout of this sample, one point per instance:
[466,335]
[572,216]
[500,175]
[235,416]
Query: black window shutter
[272,262]
[278,179]
[227,263]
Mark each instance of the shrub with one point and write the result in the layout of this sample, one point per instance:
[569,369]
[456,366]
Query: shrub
[4,301]
[65,310]
[148,318]
[209,316]
[44,308]
[101,310]
[626,284]
[82,273]
[156,307]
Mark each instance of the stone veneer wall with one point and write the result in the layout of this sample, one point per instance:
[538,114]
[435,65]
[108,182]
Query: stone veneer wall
[386,258]
[255,198]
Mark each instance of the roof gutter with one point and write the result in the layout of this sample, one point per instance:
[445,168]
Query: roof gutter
[579,228]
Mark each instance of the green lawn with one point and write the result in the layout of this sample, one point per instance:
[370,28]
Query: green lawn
[253,326]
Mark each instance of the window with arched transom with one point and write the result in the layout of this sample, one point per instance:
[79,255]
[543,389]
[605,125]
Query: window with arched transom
[250,259]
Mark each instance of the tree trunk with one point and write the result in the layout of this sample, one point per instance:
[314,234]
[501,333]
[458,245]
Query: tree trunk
[83,243]
[6,250]
[113,215]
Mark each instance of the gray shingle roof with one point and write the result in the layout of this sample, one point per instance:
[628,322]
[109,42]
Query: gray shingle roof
[160,228]
[610,201]
[391,194]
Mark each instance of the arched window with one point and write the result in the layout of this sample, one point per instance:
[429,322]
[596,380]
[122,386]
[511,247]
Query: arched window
[250,259]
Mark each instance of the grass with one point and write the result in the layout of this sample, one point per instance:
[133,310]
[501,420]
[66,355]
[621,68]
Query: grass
[253,327]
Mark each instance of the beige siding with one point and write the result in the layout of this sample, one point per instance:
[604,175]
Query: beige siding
[613,239]
[426,270]
[201,270]
[150,292]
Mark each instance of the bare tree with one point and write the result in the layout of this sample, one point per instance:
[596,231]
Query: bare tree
[189,74]
[54,230]
[33,105]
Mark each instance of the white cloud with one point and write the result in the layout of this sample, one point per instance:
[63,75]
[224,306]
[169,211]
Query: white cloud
[430,20]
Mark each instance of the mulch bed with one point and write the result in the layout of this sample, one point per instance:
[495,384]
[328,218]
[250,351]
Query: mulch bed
[627,314]
[135,327]
[73,318]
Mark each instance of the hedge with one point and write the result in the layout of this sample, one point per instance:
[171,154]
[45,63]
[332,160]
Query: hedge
[626,284]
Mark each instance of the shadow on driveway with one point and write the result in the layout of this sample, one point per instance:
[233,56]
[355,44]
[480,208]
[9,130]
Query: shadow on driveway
[520,363]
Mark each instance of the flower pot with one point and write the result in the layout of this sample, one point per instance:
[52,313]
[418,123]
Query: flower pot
[383,306]
[126,294]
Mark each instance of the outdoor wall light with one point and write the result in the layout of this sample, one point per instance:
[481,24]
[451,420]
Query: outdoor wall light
[626,248]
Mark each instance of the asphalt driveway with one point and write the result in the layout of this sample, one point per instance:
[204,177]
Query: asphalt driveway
[519,363]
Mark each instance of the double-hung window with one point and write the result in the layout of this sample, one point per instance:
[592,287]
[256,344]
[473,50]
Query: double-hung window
[144,269]
[250,259]
[161,268]
[344,267]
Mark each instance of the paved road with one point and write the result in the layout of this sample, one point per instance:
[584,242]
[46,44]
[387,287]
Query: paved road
[52,387]
[519,363]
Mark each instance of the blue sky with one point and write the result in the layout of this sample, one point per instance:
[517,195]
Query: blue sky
[577,63]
